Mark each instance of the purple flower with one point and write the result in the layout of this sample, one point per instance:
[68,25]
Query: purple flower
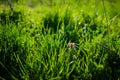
[71,44]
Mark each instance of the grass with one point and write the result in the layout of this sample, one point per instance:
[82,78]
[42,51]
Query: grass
[34,41]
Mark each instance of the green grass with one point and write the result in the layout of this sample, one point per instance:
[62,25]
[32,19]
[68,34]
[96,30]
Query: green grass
[34,41]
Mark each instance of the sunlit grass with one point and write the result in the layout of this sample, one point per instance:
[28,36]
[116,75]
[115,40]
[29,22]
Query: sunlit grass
[62,40]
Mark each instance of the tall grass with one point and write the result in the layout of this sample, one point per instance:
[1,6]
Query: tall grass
[32,50]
